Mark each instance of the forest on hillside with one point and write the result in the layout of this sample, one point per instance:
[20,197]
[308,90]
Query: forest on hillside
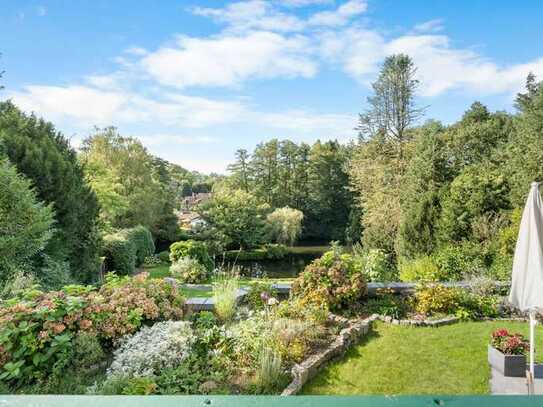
[431,200]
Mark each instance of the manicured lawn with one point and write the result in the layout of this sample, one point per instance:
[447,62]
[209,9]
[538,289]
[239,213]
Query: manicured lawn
[190,293]
[158,271]
[410,360]
[164,271]
[316,250]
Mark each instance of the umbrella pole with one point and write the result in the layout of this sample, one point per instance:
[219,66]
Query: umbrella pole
[533,323]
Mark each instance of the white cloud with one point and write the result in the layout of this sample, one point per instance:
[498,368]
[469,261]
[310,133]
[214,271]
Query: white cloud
[86,106]
[79,103]
[229,60]
[252,14]
[242,16]
[302,3]
[173,139]
[261,40]
[139,51]
[430,26]
[322,125]
[440,66]
[41,10]
[103,81]
[341,16]
[337,41]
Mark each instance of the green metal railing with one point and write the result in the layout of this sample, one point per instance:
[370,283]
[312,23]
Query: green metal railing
[269,401]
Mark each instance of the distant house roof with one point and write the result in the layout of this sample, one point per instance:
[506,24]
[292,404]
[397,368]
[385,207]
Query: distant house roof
[197,198]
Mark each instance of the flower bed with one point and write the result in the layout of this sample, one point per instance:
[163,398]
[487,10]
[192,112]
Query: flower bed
[38,329]
[255,349]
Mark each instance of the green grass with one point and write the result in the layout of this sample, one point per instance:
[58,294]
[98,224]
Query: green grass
[413,360]
[316,250]
[190,293]
[159,271]
[164,271]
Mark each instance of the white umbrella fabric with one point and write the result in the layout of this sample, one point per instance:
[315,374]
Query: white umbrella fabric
[527,275]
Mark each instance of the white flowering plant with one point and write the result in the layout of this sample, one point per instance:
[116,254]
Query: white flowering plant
[161,346]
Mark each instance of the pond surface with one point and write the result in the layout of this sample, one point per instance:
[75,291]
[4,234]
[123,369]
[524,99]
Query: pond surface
[288,267]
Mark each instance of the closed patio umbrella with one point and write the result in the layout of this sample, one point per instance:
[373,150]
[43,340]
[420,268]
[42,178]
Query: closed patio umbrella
[527,276]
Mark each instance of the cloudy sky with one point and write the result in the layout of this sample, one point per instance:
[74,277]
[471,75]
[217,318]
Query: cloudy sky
[195,80]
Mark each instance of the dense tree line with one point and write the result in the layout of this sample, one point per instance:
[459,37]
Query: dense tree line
[45,158]
[438,186]
[312,179]
[450,195]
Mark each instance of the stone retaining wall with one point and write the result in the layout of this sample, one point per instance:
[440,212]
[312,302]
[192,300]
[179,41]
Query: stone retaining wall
[306,370]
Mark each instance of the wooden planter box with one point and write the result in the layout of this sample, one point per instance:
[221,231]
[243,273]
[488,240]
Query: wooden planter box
[508,365]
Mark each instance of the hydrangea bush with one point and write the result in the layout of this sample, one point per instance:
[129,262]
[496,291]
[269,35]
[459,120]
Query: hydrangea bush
[37,328]
[337,278]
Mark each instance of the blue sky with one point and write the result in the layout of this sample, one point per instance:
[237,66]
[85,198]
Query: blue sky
[195,80]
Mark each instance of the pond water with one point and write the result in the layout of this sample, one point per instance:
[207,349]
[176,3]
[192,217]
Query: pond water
[288,267]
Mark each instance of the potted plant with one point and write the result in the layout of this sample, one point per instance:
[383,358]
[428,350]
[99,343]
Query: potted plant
[507,353]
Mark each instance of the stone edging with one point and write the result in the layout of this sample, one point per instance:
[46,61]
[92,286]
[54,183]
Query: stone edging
[439,322]
[306,370]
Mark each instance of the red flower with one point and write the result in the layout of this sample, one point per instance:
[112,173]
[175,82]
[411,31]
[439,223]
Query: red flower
[502,332]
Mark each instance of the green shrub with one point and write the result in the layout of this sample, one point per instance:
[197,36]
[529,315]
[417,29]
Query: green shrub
[54,274]
[337,278]
[375,264]
[143,240]
[456,261]
[119,253]
[87,351]
[129,386]
[245,255]
[204,320]
[420,269]
[266,252]
[191,248]
[164,256]
[472,305]
[26,224]
[387,304]
[501,267]
[189,271]
[436,299]
[189,377]
[139,386]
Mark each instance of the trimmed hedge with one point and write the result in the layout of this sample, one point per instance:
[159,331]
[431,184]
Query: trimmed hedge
[143,239]
[127,249]
[267,252]
[119,253]
[164,256]
[192,248]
